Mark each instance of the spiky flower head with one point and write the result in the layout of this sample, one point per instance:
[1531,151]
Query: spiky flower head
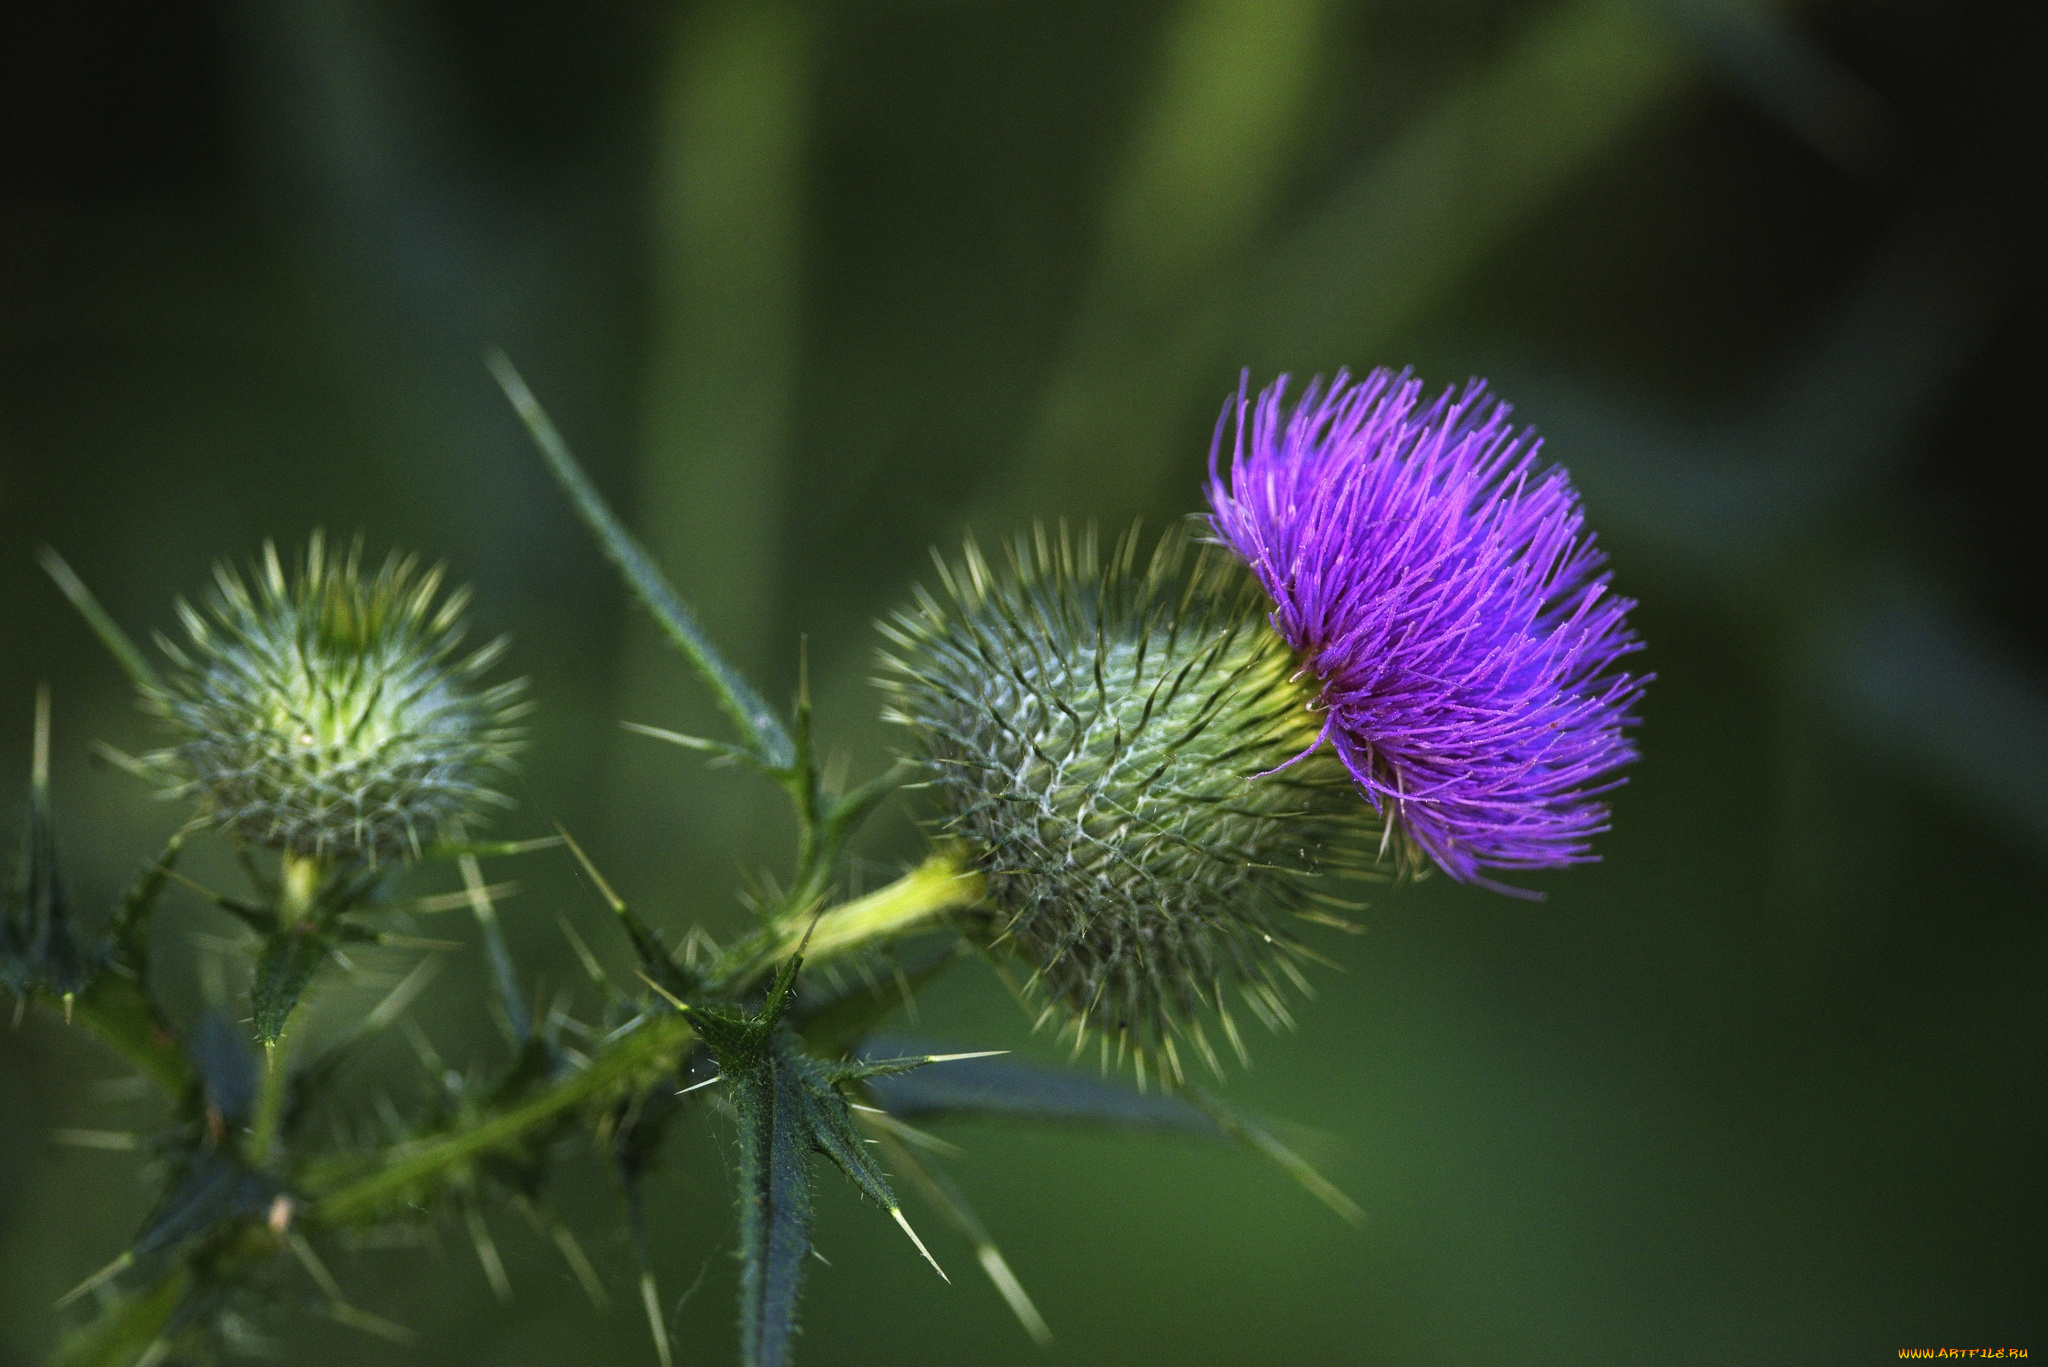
[333,714]
[1432,572]
[1104,738]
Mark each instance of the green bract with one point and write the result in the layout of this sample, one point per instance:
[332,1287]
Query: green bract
[333,715]
[1116,748]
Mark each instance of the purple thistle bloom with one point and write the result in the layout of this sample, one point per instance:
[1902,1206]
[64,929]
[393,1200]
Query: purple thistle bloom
[1431,573]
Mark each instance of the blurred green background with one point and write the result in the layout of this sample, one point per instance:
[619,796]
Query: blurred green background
[813,286]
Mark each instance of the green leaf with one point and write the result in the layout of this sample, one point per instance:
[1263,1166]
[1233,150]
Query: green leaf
[757,724]
[832,1128]
[1012,1090]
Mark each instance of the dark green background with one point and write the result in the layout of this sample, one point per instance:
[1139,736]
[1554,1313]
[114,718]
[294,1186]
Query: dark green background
[811,287]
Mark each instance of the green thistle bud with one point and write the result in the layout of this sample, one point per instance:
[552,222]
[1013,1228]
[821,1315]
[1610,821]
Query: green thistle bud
[1132,758]
[330,715]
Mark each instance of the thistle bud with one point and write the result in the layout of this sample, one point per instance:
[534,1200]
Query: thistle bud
[1132,757]
[330,714]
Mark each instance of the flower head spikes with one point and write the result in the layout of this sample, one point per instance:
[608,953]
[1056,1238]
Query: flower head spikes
[1431,571]
[332,714]
[1097,733]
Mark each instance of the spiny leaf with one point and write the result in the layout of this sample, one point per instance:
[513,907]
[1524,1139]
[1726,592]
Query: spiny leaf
[128,937]
[287,964]
[39,949]
[834,1135]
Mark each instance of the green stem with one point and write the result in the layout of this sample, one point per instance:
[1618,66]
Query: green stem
[299,888]
[941,884]
[300,885]
[270,1097]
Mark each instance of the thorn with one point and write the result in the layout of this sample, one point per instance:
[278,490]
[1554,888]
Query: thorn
[652,1301]
[897,1213]
[487,1254]
[676,737]
[108,1141]
[590,965]
[99,1279]
[590,869]
[579,1263]
[698,1086]
[955,1058]
[401,996]
[673,1000]
[39,771]
[317,1269]
[1013,1292]
[343,1313]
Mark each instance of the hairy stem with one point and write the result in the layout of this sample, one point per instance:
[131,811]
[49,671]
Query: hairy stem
[651,1049]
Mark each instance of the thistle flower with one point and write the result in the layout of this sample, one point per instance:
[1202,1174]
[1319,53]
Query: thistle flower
[1096,737]
[331,715]
[1431,572]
